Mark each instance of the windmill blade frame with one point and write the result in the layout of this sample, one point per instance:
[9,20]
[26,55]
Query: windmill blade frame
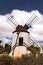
[32,20]
[12,21]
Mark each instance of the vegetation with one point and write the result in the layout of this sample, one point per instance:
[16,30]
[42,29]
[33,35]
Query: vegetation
[24,60]
[5,60]
[34,49]
[1,49]
[7,48]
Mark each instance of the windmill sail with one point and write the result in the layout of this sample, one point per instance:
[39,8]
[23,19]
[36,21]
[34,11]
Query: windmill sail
[32,20]
[12,21]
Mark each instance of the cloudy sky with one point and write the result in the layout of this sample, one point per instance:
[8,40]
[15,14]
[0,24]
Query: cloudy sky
[22,10]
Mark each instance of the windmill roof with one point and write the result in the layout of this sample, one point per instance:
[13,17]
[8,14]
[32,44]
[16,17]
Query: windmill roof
[20,28]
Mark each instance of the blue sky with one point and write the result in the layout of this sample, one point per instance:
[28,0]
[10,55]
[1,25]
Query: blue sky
[6,6]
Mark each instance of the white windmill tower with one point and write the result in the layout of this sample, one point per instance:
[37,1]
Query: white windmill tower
[21,36]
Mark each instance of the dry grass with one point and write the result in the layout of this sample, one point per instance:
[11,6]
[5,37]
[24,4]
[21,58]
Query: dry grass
[24,60]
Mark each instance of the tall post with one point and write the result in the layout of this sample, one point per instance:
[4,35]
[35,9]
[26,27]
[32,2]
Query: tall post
[15,43]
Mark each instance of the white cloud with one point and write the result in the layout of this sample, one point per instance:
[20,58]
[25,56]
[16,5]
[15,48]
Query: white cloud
[4,26]
[38,28]
[22,17]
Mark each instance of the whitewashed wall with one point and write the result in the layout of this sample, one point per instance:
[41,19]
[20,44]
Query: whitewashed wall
[25,35]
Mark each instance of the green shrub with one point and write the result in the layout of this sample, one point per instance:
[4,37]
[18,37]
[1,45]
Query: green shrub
[7,48]
[34,49]
[1,49]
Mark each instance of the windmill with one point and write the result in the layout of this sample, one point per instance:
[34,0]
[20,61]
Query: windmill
[22,34]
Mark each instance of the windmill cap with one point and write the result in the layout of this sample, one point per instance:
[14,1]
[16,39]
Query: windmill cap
[20,28]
